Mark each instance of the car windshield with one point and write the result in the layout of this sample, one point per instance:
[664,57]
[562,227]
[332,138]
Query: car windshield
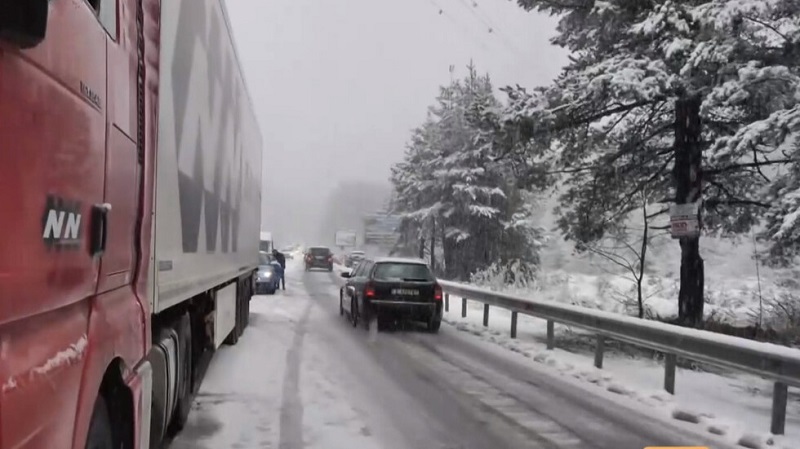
[388,271]
[263,259]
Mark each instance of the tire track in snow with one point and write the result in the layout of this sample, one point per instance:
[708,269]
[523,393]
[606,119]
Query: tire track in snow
[291,433]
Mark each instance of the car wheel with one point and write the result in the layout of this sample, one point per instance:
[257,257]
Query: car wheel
[353,312]
[366,318]
[434,323]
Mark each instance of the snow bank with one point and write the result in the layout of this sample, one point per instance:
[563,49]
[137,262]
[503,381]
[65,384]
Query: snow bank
[736,406]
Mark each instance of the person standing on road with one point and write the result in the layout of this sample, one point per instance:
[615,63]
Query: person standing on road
[281,259]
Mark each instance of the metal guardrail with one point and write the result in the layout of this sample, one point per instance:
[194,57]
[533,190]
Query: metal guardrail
[777,363]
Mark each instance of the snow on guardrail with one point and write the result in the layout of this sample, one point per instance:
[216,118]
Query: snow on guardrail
[778,363]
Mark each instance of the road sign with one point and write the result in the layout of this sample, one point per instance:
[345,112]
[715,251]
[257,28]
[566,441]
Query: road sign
[381,229]
[684,220]
[346,238]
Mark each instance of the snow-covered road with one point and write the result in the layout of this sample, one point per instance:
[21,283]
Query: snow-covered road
[302,377]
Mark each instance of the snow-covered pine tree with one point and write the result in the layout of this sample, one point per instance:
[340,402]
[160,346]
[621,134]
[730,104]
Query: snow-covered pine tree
[689,100]
[449,183]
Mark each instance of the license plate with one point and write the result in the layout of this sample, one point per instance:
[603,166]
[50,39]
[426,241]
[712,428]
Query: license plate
[405,292]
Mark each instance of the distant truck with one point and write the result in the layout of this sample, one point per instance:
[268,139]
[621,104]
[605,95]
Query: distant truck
[131,174]
[265,242]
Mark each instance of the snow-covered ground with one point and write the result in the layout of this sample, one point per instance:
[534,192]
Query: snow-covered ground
[735,405]
[738,290]
[302,377]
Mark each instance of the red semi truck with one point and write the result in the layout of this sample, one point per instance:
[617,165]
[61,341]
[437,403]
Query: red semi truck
[130,180]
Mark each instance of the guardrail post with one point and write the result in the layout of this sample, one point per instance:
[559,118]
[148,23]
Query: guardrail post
[551,334]
[447,302]
[598,351]
[670,360]
[513,324]
[485,315]
[780,393]
[463,307]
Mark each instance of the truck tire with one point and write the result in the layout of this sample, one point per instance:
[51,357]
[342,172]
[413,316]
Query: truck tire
[246,302]
[236,332]
[185,395]
[101,435]
[238,328]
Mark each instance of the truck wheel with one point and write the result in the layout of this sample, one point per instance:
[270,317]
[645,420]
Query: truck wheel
[246,303]
[100,433]
[184,404]
[236,332]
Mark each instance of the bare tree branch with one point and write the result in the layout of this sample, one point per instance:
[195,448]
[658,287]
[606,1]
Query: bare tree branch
[766,25]
[757,164]
[735,202]
[655,214]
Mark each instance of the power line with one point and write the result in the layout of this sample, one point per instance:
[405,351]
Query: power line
[455,23]
[468,30]
[486,21]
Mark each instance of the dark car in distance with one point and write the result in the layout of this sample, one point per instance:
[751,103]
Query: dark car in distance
[319,257]
[267,276]
[391,289]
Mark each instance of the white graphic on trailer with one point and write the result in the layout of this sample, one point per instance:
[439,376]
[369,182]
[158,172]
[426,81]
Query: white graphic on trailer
[55,222]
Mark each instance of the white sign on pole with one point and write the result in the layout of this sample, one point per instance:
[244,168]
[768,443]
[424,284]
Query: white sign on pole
[381,229]
[346,238]
[684,220]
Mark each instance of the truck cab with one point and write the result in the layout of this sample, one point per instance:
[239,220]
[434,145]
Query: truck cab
[72,178]
[131,215]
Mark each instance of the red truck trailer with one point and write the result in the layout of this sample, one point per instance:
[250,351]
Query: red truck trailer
[130,180]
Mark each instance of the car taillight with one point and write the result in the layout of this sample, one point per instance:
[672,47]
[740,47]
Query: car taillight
[369,291]
[330,258]
[437,292]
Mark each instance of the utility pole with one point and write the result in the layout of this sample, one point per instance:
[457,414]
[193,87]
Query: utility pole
[687,175]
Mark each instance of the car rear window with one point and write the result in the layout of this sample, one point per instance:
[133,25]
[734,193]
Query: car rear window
[320,251]
[389,271]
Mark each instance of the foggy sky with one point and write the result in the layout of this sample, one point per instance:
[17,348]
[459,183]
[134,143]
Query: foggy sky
[338,85]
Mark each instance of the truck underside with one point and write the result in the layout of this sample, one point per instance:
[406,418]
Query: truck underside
[184,339]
